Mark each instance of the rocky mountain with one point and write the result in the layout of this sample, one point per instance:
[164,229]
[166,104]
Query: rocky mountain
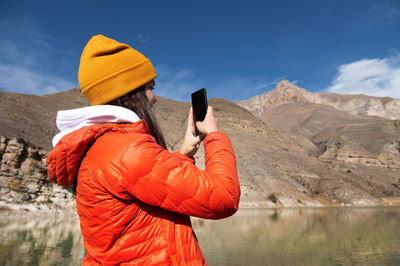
[32,117]
[340,159]
[358,130]
[286,92]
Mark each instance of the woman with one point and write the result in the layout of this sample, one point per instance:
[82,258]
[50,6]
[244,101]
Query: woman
[134,197]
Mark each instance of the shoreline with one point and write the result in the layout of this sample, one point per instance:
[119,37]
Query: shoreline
[12,211]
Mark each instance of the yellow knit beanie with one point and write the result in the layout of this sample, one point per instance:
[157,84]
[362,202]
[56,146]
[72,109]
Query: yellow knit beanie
[110,69]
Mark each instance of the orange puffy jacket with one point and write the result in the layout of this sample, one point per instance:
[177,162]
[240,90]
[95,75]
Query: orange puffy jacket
[134,198]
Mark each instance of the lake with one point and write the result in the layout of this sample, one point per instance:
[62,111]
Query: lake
[288,236]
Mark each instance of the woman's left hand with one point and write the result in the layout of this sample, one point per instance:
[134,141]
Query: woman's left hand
[191,142]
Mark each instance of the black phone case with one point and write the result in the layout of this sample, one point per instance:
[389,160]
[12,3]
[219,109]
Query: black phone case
[200,105]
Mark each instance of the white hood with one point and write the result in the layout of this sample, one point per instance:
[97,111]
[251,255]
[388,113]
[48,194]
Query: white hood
[71,120]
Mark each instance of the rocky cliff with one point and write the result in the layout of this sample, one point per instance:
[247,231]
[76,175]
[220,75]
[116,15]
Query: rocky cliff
[349,128]
[24,184]
[316,162]
[286,92]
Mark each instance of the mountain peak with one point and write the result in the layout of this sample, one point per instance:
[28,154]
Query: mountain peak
[286,92]
[286,85]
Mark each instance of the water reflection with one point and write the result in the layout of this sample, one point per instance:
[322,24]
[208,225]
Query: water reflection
[326,236]
[35,241]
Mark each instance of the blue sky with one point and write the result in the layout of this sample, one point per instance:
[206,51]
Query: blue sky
[236,49]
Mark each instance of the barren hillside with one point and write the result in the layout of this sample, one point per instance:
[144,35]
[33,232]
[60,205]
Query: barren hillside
[277,167]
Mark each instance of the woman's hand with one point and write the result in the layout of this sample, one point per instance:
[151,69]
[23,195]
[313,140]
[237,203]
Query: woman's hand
[209,124]
[191,142]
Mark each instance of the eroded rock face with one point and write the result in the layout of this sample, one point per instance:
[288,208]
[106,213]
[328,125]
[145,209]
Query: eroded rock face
[286,92]
[388,158]
[23,178]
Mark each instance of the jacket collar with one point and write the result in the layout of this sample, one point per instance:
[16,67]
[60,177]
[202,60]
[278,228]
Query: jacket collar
[64,161]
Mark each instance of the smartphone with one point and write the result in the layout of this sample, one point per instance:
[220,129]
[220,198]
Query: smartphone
[200,105]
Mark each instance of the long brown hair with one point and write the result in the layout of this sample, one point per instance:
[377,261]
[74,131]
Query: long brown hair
[136,101]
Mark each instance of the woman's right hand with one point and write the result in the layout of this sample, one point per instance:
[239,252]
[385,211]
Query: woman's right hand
[209,124]
[191,142]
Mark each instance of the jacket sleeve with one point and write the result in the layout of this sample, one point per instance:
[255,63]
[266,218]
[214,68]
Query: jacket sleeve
[172,181]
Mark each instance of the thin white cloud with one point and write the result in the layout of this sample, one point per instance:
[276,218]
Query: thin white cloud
[176,84]
[264,86]
[13,54]
[236,89]
[384,12]
[179,84]
[141,38]
[27,60]
[51,89]
[375,77]
[25,80]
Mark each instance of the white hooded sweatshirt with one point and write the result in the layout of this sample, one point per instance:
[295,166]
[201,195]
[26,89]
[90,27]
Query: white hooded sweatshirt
[71,120]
